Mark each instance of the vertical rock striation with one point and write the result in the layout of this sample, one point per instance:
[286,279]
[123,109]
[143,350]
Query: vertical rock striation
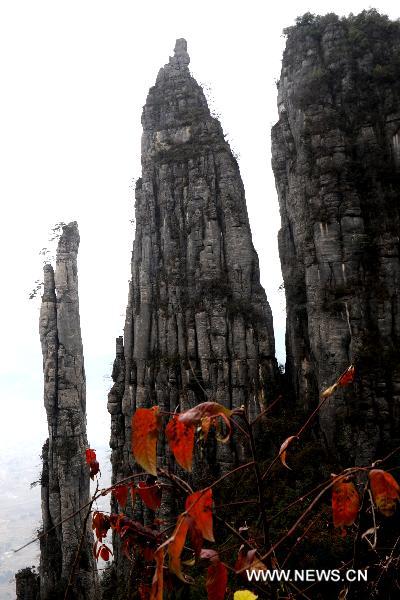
[65,477]
[337,169]
[198,324]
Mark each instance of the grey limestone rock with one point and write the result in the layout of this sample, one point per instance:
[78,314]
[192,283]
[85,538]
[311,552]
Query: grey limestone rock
[65,476]
[198,325]
[337,172]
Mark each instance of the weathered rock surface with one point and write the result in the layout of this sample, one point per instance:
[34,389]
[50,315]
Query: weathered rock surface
[337,168]
[198,324]
[65,477]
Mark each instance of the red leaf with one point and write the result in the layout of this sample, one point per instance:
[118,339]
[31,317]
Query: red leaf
[147,553]
[100,524]
[217,580]
[347,377]
[345,504]
[116,521]
[385,491]
[90,455]
[145,428]
[144,591]
[105,552]
[283,448]
[180,437]
[150,494]
[199,507]
[94,469]
[121,494]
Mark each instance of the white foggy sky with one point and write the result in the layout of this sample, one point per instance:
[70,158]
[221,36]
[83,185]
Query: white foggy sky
[74,77]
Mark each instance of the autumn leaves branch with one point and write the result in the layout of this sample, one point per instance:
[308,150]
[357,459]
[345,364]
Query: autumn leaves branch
[194,525]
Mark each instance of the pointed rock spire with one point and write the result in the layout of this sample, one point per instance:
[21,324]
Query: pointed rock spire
[65,477]
[178,63]
[198,324]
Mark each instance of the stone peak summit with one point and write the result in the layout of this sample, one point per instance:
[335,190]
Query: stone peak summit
[178,63]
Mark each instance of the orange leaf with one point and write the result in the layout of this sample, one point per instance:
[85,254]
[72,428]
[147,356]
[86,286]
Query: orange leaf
[217,580]
[345,504]
[283,448]
[180,437]
[175,547]
[199,507]
[150,494]
[121,494]
[347,377]
[158,579]
[145,428]
[385,491]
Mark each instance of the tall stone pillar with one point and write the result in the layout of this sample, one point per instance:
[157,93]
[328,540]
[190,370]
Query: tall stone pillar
[198,323]
[65,478]
[337,172]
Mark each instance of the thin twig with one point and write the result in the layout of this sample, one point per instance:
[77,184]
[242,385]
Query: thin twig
[238,502]
[195,376]
[266,410]
[102,492]
[300,539]
[257,472]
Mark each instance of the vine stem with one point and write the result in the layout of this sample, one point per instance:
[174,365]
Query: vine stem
[257,472]
[306,424]
[102,492]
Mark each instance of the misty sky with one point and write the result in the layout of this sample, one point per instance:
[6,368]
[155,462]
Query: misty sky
[74,78]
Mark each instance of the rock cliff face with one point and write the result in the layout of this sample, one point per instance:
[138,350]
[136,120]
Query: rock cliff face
[198,324]
[337,168]
[65,477]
